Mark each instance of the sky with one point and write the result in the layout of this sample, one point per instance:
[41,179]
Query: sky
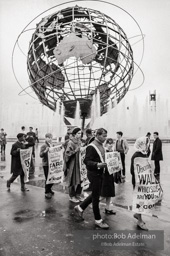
[152,16]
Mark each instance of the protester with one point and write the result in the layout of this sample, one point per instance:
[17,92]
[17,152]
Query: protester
[31,134]
[108,187]
[44,155]
[30,138]
[16,167]
[36,135]
[122,147]
[157,155]
[72,166]
[3,141]
[88,136]
[141,151]
[94,160]
[148,136]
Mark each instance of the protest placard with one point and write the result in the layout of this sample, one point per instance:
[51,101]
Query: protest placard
[113,162]
[83,171]
[25,156]
[55,159]
[147,190]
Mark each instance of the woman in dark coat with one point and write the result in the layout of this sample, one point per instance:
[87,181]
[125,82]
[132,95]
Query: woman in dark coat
[16,167]
[72,166]
[141,148]
[108,187]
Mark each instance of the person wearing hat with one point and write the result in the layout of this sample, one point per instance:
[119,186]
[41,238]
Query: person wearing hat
[72,166]
[16,167]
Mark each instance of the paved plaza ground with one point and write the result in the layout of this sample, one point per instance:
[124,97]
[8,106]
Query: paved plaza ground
[33,225]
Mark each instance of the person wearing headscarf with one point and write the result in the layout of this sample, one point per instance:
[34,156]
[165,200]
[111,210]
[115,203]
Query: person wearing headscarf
[148,139]
[72,166]
[141,151]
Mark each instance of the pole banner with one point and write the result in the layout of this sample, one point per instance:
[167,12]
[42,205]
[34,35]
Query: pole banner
[25,156]
[83,171]
[55,159]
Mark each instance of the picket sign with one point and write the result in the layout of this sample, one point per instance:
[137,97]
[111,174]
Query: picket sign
[83,170]
[147,190]
[56,162]
[113,162]
[25,156]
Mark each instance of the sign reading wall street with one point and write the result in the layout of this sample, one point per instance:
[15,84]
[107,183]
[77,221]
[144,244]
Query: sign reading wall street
[147,190]
[25,156]
[113,162]
[55,159]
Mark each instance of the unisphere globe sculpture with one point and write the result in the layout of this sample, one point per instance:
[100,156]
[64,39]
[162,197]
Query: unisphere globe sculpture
[76,51]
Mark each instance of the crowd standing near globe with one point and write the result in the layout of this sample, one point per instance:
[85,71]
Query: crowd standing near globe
[102,184]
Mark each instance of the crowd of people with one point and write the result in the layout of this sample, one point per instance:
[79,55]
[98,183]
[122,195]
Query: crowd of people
[102,183]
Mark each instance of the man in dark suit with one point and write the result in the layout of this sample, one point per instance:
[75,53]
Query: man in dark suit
[94,161]
[157,154]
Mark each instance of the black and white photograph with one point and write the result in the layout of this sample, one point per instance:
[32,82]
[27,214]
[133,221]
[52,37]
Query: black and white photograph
[84,127]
